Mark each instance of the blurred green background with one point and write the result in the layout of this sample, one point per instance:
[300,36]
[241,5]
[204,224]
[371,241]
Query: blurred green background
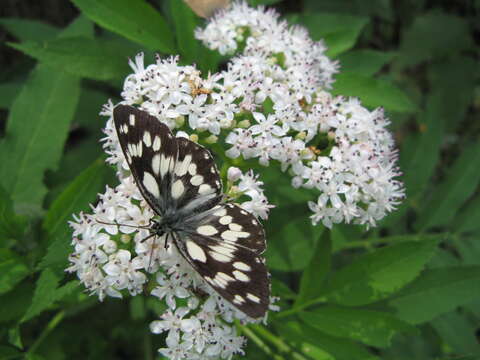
[408,289]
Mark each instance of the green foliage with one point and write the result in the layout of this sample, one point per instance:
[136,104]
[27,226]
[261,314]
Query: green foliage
[408,289]
[137,21]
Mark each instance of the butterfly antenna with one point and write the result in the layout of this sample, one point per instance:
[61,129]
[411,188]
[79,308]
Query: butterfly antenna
[118,224]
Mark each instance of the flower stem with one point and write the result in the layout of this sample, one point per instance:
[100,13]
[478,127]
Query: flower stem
[52,324]
[259,342]
[282,346]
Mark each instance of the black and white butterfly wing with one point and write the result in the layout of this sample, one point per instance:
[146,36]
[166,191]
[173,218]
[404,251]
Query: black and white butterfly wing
[175,175]
[225,248]
[197,178]
[151,152]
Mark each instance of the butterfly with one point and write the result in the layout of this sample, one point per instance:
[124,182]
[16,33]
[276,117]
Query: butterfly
[179,180]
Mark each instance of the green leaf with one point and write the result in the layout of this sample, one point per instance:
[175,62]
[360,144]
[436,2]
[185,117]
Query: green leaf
[462,181]
[364,62]
[8,93]
[12,270]
[427,39]
[339,348]
[424,148]
[16,302]
[339,31]
[9,352]
[47,293]
[185,22]
[37,128]
[25,29]
[313,277]
[135,20]
[284,224]
[74,198]
[435,292]
[369,327]
[11,225]
[467,219]
[373,92]
[95,59]
[457,331]
[376,275]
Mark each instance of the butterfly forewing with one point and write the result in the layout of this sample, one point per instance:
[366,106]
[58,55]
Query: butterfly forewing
[197,181]
[151,152]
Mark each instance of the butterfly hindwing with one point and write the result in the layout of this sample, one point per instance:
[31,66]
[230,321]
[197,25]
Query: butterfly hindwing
[151,152]
[225,248]
[236,273]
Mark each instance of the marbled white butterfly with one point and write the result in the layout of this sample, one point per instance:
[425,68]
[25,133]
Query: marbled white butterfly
[179,180]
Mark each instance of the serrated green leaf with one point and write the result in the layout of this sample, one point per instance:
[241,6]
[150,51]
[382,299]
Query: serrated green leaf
[462,181]
[314,275]
[373,92]
[369,327]
[96,59]
[137,21]
[47,293]
[341,349]
[339,31]
[458,331]
[365,62]
[36,131]
[379,274]
[12,270]
[11,225]
[435,292]
[26,29]
[73,199]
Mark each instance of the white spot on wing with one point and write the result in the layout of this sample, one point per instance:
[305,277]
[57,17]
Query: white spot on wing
[151,184]
[156,143]
[156,164]
[206,230]
[177,189]
[220,257]
[253,298]
[241,266]
[192,169]
[235,227]
[240,276]
[195,251]
[132,119]
[181,168]
[205,189]
[220,212]
[147,139]
[196,180]
[225,220]
[238,300]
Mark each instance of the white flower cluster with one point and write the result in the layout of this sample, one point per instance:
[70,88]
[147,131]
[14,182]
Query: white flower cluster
[114,260]
[332,144]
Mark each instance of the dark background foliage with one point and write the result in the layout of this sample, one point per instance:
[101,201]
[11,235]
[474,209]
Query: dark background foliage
[408,289]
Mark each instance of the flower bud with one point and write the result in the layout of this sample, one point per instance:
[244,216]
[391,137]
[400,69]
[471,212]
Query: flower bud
[233,173]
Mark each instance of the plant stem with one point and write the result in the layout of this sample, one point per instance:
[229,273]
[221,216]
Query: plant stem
[277,342]
[252,336]
[52,324]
